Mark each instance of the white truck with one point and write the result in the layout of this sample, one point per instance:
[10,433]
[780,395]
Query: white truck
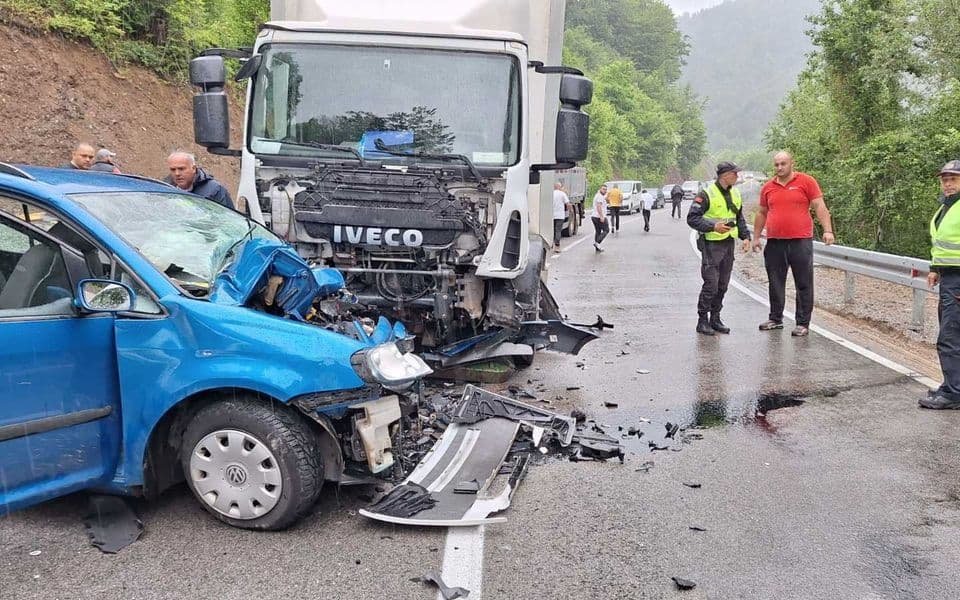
[574,183]
[412,144]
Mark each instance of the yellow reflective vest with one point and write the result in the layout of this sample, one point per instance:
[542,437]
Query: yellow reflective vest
[719,211]
[945,239]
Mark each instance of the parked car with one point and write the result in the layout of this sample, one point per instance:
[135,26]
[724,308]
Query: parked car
[631,195]
[658,197]
[690,189]
[665,190]
[151,336]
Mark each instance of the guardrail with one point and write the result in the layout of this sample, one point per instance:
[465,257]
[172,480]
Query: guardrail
[900,270]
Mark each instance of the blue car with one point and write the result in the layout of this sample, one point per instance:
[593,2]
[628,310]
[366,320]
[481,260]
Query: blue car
[150,336]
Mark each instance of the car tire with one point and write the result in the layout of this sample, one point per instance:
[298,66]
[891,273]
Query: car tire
[521,362]
[252,465]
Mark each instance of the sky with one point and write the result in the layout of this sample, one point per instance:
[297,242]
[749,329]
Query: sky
[682,6]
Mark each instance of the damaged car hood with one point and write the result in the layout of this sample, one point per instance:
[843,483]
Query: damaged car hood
[292,285]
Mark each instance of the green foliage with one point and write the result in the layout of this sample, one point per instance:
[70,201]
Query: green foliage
[857,122]
[643,125]
[160,34]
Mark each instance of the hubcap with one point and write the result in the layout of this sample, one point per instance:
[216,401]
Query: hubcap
[236,474]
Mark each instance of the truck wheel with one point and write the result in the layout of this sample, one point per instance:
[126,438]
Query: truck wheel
[252,465]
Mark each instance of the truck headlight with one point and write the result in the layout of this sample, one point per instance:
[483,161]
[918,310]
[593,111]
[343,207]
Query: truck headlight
[386,365]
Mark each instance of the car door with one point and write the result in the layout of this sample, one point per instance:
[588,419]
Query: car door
[59,393]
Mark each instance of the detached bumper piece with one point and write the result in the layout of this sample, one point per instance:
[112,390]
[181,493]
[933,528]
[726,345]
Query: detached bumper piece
[464,480]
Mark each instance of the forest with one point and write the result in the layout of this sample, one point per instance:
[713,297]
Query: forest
[875,114]
[644,124]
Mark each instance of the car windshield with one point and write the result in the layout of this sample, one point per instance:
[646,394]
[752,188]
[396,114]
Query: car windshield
[187,237]
[374,99]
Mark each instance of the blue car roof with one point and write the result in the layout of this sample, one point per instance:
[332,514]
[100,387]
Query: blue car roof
[74,181]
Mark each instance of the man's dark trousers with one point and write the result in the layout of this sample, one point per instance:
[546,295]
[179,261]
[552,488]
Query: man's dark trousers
[676,210]
[796,255]
[615,217]
[716,264]
[948,342]
[646,220]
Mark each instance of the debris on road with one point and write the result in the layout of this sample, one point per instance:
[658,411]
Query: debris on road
[610,404]
[448,593]
[697,528]
[643,371]
[684,584]
[111,524]
[692,485]
[478,440]
[645,467]
[672,429]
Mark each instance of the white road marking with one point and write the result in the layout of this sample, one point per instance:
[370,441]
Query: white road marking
[463,560]
[869,354]
[587,236]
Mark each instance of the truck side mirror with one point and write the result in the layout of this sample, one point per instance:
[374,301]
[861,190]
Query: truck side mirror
[211,114]
[573,125]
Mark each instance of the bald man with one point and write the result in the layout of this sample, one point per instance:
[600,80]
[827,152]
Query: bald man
[81,159]
[785,203]
[186,175]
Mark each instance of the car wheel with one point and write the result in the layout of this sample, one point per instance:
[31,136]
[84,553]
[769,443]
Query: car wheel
[523,362]
[252,465]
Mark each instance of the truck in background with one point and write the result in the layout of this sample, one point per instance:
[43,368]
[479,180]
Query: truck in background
[413,145]
[574,183]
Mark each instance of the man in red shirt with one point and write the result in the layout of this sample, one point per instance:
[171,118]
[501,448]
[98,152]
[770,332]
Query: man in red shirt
[785,203]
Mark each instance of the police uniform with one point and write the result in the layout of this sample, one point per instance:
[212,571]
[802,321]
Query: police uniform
[711,206]
[945,261]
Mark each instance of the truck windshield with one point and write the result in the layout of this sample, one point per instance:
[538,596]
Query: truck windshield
[187,237]
[376,98]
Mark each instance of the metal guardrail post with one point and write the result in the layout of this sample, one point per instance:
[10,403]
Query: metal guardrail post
[919,303]
[849,287]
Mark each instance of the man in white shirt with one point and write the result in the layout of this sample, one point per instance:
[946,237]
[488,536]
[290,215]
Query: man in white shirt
[599,218]
[648,201]
[561,203]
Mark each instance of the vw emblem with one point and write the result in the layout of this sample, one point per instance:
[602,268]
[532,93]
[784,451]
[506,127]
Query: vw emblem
[236,475]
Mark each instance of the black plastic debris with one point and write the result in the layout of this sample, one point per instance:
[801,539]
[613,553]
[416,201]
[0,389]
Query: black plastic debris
[654,446]
[697,528]
[692,485]
[610,404]
[478,404]
[467,487]
[405,501]
[578,415]
[111,524]
[448,593]
[773,401]
[684,584]
[519,392]
[573,388]
[672,429]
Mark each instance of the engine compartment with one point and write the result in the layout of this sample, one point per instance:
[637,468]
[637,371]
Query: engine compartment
[407,239]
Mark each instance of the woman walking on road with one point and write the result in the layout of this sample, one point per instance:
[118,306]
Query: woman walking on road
[599,218]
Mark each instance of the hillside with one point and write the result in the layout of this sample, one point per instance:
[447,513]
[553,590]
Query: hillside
[744,57]
[55,93]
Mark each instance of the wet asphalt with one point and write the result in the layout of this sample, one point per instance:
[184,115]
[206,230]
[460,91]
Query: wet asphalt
[843,488]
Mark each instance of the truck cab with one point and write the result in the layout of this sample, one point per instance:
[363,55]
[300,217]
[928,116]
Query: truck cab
[412,146]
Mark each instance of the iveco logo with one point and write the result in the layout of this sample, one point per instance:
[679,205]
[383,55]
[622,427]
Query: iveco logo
[376,236]
[236,475]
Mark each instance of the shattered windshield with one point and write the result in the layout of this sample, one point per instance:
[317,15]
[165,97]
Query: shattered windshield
[372,99]
[187,237]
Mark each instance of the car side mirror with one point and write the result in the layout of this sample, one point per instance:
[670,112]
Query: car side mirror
[103,295]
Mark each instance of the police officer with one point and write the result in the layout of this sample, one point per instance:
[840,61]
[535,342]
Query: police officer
[945,270]
[717,213]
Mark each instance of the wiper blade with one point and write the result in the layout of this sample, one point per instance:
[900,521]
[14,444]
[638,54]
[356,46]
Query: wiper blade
[379,145]
[229,253]
[308,144]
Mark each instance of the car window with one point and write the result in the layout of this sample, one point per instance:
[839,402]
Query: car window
[33,277]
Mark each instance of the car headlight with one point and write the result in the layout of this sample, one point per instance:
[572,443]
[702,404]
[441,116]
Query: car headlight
[387,365]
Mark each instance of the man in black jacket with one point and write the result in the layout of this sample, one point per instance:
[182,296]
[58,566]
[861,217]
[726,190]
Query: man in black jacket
[676,197]
[186,175]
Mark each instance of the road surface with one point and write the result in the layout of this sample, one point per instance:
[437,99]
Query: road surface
[847,491]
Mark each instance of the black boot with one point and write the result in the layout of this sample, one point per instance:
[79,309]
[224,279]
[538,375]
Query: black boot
[717,324]
[703,326]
